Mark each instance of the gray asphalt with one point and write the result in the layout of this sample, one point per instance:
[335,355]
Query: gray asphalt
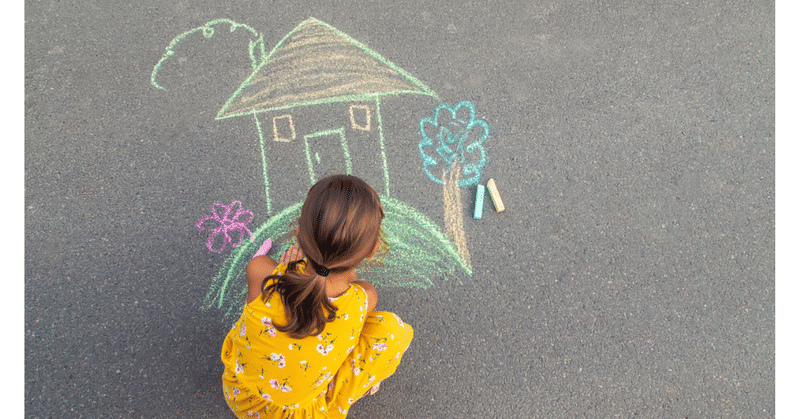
[631,275]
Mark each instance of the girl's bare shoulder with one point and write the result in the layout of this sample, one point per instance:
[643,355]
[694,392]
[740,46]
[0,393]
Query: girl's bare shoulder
[259,268]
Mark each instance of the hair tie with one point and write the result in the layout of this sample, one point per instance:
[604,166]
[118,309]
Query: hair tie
[322,271]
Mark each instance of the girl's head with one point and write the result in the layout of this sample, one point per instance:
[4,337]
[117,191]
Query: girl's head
[339,226]
[340,223]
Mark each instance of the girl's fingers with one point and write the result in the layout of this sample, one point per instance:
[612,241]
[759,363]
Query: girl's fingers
[291,254]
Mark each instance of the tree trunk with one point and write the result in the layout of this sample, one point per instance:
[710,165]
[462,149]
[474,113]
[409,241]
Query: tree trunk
[454,213]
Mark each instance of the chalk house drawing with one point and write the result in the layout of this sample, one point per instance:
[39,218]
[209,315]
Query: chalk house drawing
[316,64]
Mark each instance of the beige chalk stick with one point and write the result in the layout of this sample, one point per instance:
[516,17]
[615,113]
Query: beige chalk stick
[498,203]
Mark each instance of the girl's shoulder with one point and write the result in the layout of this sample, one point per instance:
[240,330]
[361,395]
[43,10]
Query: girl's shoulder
[257,270]
[360,294]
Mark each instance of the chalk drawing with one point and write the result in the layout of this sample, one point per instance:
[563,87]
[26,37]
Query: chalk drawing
[224,221]
[454,214]
[420,252]
[366,126]
[328,65]
[459,138]
[256,48]
[264,163]
[452,143]
[313,64]
[316,64]
[285,121]
[312,172]
[382,142]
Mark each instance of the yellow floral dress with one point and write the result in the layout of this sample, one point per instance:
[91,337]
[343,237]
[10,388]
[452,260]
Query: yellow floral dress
[271,375]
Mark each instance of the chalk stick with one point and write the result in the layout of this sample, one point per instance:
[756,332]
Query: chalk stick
[479,203]
[498,203]
[264,248]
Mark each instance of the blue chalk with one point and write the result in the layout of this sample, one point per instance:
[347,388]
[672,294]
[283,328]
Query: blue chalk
[479,203]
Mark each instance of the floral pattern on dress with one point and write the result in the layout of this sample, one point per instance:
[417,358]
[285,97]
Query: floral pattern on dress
[269,328]
[267,372]
[327,345]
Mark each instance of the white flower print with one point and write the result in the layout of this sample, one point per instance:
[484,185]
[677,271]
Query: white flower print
[281,386]
[239,368]
[252,413]
[235,392]
[342,411]
[266,397]
[281,363]
[380,346]
[244,330]
[324,350]
[267,322]
[273,356]
[322,378]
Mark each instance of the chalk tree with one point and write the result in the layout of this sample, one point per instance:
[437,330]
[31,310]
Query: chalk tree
[453,156]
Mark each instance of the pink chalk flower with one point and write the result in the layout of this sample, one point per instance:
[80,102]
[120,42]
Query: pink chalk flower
[226,221]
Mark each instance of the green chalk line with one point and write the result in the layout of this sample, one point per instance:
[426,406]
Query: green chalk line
[264,163]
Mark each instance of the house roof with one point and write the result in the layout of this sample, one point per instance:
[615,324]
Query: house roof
[316,63]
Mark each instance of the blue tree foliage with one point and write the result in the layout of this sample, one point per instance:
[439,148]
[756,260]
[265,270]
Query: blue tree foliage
[453,137]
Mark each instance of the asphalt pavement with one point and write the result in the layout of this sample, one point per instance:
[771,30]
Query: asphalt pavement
[632,142]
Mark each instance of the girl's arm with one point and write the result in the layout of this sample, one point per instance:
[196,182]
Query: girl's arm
[259,268]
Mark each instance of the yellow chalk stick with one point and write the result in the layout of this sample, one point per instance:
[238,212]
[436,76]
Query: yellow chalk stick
[498,203]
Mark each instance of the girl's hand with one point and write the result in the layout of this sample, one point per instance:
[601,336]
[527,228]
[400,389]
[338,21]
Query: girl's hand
[291,254]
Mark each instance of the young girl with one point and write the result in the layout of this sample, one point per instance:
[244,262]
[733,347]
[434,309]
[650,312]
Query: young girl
[308,343]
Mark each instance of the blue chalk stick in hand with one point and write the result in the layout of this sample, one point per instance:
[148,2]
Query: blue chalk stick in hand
[479,202]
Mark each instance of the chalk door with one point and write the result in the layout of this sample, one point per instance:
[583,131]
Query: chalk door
[327,154]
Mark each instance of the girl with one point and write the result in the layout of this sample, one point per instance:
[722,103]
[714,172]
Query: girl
[308,343]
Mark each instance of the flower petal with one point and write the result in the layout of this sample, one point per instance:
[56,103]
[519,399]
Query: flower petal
[220,211]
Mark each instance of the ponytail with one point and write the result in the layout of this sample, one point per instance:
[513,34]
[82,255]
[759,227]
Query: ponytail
[339,226]
[305,302]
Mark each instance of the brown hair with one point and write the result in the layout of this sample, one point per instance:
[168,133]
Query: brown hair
[339,226]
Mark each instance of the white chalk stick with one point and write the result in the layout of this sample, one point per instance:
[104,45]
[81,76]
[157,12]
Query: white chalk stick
[498,203]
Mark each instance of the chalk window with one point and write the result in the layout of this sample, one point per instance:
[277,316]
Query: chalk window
[360,117]
[283,128]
